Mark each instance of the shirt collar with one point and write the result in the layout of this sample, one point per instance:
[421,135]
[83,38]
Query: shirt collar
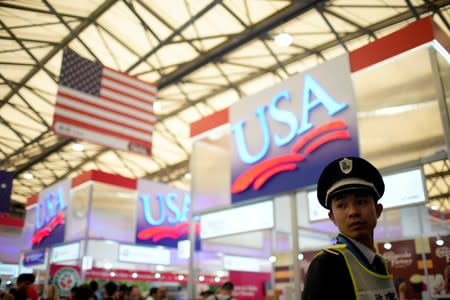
[366,251]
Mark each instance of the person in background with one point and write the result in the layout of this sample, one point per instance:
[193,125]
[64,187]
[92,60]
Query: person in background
[400,288]
[447,279]
[93,286]
[73,292]
[135,293]
[204,295]
[51,292]
[350,188]
[123,292]
[162,293]
[82,292]
[32,292]
[22,284]
[110,290]
[224,293]
[152,294]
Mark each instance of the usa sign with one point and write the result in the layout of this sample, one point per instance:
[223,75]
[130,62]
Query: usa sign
[163,214]
[284,135]
[49,215]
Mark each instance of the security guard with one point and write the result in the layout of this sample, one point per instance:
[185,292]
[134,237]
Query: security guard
[350,188]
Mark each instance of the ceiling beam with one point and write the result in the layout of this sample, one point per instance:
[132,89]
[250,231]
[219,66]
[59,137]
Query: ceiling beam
[284,15]
[72,35]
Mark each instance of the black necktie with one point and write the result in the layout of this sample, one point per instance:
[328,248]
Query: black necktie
[378,265]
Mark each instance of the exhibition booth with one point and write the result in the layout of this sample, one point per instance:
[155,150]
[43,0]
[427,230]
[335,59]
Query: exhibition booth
[387,102]
[106,227]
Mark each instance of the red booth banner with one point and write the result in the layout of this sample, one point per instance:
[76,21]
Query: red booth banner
[249,285]
[138,275]
[65,278]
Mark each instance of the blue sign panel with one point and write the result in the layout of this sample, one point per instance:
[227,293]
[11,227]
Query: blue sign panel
[163,215]
[49,215]
[284,135]
[34,258]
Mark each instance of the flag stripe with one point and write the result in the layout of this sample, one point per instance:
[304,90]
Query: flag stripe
[122,130]
[102,130]
[129,95]
[125,90]
[145,87]
[105,116]
[124,99]
[70,130]
[109,105]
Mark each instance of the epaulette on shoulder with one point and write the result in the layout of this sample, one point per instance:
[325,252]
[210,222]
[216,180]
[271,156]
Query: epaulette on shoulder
[334,249]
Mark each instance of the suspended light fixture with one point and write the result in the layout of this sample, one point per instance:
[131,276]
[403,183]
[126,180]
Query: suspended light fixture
[439,241]
[28,176]
[283,39]
[77,147]
[156,106]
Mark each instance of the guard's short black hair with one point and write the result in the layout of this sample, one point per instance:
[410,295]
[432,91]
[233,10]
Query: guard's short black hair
[153,291]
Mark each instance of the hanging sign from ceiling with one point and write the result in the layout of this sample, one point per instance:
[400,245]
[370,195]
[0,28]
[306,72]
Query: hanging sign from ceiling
[49,215]
[283,136]
[163,214]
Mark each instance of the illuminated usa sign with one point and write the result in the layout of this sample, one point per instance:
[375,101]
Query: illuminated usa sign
[284,135]
[163,215]
[49,224]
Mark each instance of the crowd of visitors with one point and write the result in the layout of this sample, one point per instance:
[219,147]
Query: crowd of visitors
[24,289]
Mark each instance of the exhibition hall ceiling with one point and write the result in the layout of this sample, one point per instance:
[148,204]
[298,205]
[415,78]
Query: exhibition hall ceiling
[202,55]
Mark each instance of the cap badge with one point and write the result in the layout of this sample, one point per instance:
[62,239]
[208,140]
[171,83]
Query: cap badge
[346,165]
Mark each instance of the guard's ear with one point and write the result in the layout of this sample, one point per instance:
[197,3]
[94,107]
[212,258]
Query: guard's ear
[331,216]
[379,209]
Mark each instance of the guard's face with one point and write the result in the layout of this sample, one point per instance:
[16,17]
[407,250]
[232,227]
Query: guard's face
[355,214]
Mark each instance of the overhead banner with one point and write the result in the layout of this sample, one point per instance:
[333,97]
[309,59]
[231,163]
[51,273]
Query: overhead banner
[104,106]
[163,214]
[49,215]
[6,182]
[283,136]
[32,258]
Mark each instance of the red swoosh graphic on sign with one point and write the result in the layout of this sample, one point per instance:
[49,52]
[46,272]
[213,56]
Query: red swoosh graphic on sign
[262,172]
[245,179]
[166,235]
[259,182]
[47,230]
[329,137]
[161,232]
[337,124]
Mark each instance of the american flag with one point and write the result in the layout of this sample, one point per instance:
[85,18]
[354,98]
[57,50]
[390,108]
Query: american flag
[104,106]
[6,182]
